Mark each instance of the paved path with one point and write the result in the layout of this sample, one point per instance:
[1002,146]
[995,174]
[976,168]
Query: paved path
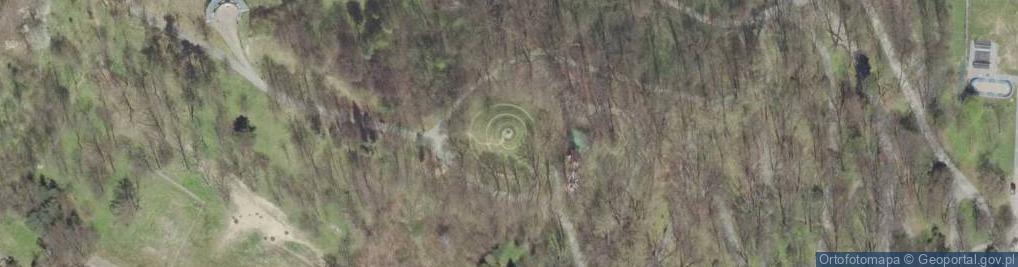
[225,22]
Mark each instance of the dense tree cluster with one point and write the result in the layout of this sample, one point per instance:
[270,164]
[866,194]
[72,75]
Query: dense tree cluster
[242,125]
[125,198]
[65,239]
[737,137]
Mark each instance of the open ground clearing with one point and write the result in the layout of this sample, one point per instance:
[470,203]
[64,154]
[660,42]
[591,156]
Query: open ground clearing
[251,213]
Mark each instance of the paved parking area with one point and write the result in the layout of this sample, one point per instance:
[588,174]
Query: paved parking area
[210,9]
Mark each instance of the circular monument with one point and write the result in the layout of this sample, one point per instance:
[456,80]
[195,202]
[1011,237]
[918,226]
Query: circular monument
[502,129]
[502,134]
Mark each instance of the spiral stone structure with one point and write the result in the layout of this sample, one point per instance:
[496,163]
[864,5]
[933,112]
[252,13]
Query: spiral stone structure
[503,134]
[502,129]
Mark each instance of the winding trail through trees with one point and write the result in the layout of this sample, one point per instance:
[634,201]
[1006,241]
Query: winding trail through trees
[194,223]
[96,261]
[436,136]
[887,193]
[729,230]
[225,24]
[832,132]
[558,205]
[762,16]
[180,187]
[963,187]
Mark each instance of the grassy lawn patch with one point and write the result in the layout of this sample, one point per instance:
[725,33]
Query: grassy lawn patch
[505,253]
[958,44]
[982,127]
[169,223]
[973,233]
[17,240]
[271,135]
[992,20]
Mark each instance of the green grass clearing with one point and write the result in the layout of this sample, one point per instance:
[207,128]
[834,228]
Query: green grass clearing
[17,240]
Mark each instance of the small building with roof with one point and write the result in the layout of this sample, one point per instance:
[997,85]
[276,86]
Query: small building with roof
[982,52]
[982,72]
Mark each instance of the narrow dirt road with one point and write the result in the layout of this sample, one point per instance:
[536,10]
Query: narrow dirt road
[558,205]
[729,230]
[436,136]
[963,187]
[765,15]
[832,133]
[887,192]
[180,187]
[96,261]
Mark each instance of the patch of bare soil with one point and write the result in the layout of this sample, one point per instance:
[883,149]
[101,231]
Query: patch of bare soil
[765,15]
[253,214]
[23,25]
[96,261]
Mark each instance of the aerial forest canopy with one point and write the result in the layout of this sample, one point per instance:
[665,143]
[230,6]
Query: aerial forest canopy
[499,133]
